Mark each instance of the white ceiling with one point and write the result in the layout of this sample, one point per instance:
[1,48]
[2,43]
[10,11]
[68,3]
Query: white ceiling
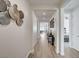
[72,5]
[46,17]
[46,2]
[43,3]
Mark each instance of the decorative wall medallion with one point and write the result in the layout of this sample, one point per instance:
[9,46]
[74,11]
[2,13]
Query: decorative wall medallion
[16,15]
[4,18]
[7,12]
[3,6]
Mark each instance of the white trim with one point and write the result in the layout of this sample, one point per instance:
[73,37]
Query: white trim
[62,53]
[75,48]
[57,51]
[57,31]
[31,51]
[61,13]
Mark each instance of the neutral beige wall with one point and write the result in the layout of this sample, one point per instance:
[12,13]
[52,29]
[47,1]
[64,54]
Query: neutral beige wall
[17,41]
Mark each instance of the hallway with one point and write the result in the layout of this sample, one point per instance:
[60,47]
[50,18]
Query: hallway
[25,25]
[43,49]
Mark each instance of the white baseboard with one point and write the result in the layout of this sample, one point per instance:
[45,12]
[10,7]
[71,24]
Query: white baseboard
[62,53]
[75,48]
[31,51]
[57,51]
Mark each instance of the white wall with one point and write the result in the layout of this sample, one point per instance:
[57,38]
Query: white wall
[35,33]
[75,29]
[17,41]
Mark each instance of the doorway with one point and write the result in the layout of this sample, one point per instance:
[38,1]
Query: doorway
[66,30]
[43,27]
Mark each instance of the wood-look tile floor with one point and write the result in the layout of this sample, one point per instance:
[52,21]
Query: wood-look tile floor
[45,50]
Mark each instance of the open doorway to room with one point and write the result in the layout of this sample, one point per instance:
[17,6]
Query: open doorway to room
[72,8]
[71,28]
[66,29]
[67,23]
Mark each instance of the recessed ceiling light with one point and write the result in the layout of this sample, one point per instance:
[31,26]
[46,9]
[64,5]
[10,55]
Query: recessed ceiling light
[44,13]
